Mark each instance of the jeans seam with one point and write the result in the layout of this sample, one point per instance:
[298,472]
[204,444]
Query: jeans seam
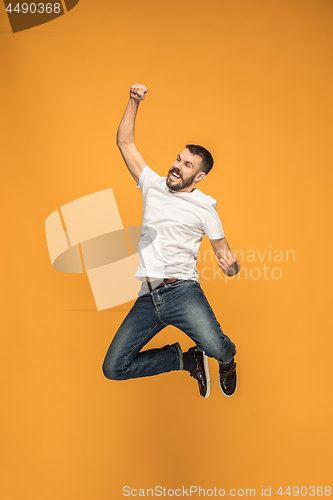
[208,304]
[147,363]
[205,298]
[179,357]
[143,338]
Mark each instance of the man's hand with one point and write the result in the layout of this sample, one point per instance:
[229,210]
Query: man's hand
[227,261]
[138,92]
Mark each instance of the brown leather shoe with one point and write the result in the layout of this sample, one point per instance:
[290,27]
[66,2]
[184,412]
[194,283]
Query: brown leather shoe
[201,371]
[228,380]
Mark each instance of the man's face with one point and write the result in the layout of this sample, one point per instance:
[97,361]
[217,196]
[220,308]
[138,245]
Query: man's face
[183,172]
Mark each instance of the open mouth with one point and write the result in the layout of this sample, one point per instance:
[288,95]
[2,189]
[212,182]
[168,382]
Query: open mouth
[175,176]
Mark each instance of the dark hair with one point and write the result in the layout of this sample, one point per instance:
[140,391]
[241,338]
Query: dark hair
[206,158]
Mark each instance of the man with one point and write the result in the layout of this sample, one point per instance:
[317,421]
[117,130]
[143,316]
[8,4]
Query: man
[176,215]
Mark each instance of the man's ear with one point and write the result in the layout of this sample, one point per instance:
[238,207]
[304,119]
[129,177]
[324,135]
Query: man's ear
[201,176]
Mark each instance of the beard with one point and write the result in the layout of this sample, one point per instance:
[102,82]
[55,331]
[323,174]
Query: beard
[180,184]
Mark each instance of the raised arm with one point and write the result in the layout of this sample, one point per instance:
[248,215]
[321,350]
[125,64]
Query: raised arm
[125,135]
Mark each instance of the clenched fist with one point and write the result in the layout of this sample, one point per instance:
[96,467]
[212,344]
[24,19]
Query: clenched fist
[138,92]
[227,261]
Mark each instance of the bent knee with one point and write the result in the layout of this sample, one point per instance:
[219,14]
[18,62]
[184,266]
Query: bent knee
[222,353]
[110,371]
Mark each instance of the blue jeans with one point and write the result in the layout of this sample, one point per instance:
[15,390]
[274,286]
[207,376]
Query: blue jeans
[182,304]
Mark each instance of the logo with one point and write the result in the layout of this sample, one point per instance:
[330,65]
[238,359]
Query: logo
[88,236]
[25,15]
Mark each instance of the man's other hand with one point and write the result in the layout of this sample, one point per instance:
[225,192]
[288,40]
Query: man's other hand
[227,260]
[138,92]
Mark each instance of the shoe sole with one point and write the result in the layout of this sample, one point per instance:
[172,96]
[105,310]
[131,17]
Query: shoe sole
[206,367]
[224,394]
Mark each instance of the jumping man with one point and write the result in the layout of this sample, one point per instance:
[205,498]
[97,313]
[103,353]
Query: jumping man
[176,215]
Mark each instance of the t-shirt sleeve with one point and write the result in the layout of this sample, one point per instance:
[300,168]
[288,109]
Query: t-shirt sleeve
[147,176]
[212,224]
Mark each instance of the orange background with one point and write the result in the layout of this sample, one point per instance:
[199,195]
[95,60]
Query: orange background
[252,82]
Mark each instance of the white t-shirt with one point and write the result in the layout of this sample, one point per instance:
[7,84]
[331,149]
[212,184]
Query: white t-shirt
[173,224]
